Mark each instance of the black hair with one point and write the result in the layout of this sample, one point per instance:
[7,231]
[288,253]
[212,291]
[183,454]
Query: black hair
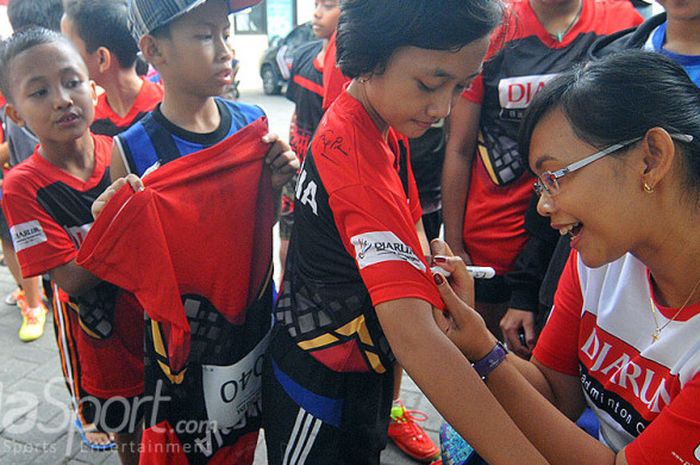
[370,31]
[22,41]
[24,14]
[113,31]
[621,97]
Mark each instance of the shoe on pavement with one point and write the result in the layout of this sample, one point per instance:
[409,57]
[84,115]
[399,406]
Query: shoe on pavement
[409,436]
[14,296]
[33,320]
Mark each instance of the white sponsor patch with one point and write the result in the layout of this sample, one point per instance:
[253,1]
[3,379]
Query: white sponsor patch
[383,246]
[27,235]
[697,452]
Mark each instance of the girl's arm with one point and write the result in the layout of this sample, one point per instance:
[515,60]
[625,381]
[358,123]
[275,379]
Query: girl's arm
[448,380]
[462,132]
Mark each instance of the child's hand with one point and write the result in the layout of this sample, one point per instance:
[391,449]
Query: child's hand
[281,159]
[99,204]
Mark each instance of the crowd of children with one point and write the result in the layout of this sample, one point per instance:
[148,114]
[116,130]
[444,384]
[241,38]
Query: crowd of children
[116,183]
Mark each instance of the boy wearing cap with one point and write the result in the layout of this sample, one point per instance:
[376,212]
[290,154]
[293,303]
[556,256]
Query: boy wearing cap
[186,41]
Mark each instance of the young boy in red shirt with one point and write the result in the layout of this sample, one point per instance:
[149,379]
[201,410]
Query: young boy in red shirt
[47,202]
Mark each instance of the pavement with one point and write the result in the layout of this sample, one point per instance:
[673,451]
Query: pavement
[35,423]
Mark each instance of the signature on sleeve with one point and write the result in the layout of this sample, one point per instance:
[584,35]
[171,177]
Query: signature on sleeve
[330,143]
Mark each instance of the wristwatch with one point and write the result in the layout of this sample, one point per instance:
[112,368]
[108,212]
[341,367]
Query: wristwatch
[489,363]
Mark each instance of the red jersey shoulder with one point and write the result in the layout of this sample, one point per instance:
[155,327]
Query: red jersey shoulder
[26,175]
[614,15]
[36,172]
[102,108]
[151,94]
[103,149]
[348,148]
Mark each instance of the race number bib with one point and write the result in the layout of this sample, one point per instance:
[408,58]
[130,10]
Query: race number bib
[232,393]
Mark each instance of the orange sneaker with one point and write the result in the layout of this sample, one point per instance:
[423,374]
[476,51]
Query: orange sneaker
[409,436]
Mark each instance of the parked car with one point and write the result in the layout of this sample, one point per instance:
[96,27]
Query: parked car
[277,59]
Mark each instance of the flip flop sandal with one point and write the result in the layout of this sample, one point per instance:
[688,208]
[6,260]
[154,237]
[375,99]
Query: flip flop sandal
[92,445]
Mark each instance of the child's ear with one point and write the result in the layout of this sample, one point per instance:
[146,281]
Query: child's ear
[104,59]
[93,92]
[11,111]
[151,48]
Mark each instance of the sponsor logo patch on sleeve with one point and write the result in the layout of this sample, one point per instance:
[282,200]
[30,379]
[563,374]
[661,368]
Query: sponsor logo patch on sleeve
[27,235]
[383,246]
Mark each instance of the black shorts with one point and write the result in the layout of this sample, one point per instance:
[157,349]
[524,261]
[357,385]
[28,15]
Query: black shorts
[313,412]
[114,415]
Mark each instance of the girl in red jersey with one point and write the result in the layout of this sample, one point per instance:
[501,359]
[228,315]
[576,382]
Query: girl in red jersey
[615,147]
[357,292]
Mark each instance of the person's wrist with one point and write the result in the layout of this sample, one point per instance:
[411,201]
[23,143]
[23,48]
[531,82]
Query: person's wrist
[481,348]
[489,362]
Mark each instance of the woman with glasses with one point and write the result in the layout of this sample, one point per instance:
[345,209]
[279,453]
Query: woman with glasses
[615,147]
[486,189]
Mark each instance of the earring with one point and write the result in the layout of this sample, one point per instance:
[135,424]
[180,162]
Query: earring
[363,80]
[648,189]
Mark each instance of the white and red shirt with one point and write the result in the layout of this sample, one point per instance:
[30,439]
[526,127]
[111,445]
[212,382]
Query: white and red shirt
[645,394]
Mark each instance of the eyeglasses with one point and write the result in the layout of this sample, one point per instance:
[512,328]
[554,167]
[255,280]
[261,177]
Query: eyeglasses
[548,181]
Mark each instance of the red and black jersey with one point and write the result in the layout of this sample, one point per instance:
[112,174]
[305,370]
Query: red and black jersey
[195,248]
[305,89]
[108,123]
[522,59]
[49,215]
[354,244]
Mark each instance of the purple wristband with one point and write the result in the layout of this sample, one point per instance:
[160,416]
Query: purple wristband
[489,363]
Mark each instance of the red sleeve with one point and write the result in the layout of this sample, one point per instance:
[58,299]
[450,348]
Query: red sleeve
[624,15]
[384,243]
[333,79]
[673,438]
[557,346]
[413,195]
[41,243]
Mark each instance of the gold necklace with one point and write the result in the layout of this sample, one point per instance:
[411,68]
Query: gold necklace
[657,332]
